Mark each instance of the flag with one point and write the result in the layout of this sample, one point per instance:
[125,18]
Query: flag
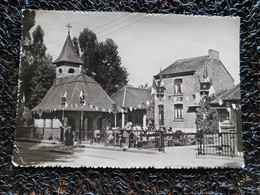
[139,106]
[205,73]
[154,87]
[211,90]
[131,109]
[65,94]
[161,79]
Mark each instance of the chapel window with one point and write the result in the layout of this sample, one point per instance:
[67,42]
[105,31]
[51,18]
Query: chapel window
[71,70]
[178,111]
[178,86]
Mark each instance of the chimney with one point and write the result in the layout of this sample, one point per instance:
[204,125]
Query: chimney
[213,54]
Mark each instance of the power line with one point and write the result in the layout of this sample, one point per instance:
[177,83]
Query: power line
[110,22]
[118,24]
[124,27]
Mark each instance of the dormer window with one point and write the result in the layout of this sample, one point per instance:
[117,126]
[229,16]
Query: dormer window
[178,86]
[71,71]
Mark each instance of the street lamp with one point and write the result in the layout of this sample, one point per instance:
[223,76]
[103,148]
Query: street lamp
[63,103]
[160,95]
[114,110]
[82,103]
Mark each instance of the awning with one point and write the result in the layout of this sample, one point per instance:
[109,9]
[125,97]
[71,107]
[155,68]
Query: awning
[192,108]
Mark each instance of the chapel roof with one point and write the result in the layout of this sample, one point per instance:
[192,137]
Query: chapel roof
[95,96]
[129,96]
[68,53]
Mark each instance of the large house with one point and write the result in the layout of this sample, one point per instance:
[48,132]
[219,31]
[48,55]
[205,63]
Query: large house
[74,99]
[183,84]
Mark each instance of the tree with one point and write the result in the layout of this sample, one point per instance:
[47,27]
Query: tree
[41,68]
[109,72]
[102,62]
[76,45]
[150,114]
[37,72]
[42,81]
[25,75]
[88,45]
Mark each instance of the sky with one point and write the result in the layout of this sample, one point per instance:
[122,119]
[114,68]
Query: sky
[148,42]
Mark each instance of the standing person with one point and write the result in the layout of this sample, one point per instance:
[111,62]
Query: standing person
[61,134]
[70,137]
[126,133]
[67,137]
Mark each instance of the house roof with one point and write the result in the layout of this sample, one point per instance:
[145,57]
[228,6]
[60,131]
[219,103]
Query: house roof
[233,95]
[185,65]
[74,84]
[129,96]
[68,53]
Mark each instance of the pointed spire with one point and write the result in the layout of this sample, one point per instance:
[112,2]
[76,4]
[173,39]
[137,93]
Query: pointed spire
[68,53]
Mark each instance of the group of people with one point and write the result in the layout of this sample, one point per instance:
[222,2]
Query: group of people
[129,136]
[66,136]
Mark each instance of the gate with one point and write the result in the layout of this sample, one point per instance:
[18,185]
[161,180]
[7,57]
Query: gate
[221,144]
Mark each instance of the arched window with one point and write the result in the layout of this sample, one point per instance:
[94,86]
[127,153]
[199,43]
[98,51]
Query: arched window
[71,70]
[60,70]
[178,111]
[178,86]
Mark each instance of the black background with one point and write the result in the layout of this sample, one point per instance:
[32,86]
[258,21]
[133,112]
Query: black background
[52,180]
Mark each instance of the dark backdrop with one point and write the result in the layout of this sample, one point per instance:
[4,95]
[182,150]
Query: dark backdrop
[134,181]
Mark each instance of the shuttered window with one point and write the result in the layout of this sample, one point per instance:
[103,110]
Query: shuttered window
[178,111]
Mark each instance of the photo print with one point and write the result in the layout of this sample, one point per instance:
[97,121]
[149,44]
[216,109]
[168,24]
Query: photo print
[128,90]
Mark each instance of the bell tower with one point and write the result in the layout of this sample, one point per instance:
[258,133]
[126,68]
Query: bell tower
[68,63]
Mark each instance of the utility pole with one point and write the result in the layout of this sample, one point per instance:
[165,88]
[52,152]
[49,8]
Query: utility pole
[82,103]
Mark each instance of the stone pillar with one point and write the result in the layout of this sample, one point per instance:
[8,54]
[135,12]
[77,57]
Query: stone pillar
[123,120]
[144,121]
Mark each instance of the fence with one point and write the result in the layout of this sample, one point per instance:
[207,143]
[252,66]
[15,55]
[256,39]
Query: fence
[221,144]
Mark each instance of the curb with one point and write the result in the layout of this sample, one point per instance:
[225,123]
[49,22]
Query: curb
[119,149]
[61,151]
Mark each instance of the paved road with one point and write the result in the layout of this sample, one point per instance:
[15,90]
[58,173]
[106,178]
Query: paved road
[37,153]
[174,157]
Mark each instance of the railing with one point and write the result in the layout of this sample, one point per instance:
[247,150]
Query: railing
[221,144]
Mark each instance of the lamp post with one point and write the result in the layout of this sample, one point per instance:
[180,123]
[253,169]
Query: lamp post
[63,103]
[40,115]
[160,95]
[114,109]
[82,102]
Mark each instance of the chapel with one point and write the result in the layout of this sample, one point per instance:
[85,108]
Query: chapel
[74,100]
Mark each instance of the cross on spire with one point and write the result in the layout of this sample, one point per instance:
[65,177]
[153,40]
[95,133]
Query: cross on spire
[68,26]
